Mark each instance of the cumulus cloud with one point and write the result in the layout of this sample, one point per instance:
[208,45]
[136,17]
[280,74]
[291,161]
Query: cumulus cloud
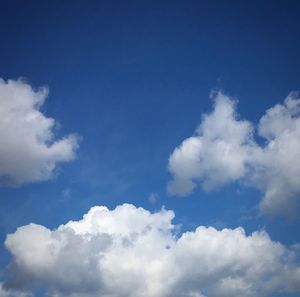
[28,149]
[130,252]
[223,150]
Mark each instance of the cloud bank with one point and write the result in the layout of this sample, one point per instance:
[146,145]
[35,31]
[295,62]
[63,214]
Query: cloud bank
[29,151]
[223,150]
[130,252]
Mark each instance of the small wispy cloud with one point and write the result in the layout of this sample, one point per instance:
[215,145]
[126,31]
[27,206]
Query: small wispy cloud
[153,198]
[66,193]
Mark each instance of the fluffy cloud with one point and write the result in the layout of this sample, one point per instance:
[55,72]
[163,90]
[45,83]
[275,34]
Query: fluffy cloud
[28,149]
[130,252]
[223,150]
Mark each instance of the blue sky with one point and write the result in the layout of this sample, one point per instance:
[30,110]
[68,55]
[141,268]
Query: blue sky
[132,80]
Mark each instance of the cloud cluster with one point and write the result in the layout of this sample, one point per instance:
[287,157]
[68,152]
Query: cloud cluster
[28,149]
[130,252]
[223,150]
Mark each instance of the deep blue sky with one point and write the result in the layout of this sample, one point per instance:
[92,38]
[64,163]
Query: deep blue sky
[132,78]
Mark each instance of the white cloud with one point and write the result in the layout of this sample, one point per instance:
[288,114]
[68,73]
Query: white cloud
[28,149]
[223,150]
[130,252]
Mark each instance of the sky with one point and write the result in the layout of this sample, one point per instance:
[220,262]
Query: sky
[149,148]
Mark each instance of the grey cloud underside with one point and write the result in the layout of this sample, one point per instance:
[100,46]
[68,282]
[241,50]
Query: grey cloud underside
[223,150]
[29,151]
[131,252]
